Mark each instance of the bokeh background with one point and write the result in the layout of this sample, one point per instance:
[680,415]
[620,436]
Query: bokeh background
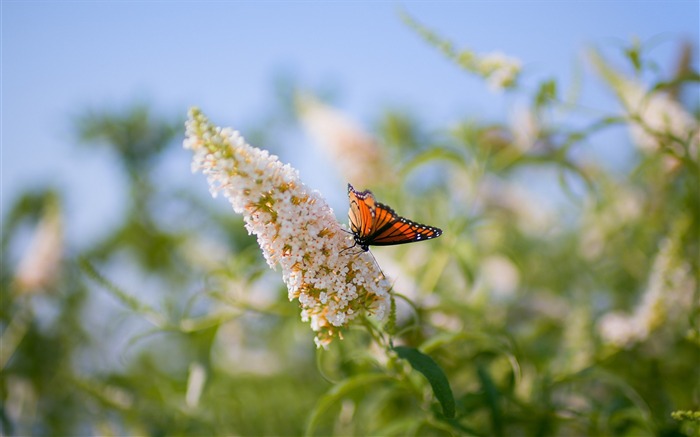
[155,313]
[61,58]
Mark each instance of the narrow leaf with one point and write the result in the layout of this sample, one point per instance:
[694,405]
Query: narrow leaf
[436,377]
[492,399]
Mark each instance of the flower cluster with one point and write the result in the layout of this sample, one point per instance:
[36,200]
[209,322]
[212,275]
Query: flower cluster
[40,264]
[668,296]
[500,71]
[356,153]
[295,229]
[656,119]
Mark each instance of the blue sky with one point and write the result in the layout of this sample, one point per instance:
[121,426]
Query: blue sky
[59,58]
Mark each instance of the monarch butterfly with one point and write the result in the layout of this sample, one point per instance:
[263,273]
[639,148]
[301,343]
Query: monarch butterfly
[375,224]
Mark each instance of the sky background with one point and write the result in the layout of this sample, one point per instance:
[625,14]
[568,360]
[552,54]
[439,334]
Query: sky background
[60,58]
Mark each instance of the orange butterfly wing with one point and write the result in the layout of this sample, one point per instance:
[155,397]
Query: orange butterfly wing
[390,228]
[361,212]
[375,224]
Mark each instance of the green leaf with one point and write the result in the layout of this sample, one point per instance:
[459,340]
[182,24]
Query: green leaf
[436,377]
[492,399]
[634,54]
[685,78]
[546,93]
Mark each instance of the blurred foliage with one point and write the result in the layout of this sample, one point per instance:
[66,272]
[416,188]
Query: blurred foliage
[562,298]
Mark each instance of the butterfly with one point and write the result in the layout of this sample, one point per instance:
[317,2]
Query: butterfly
[375,224]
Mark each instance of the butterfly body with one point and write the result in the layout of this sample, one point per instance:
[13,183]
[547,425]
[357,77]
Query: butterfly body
[375,224]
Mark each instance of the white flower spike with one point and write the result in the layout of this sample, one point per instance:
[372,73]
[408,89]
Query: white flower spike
[295,229]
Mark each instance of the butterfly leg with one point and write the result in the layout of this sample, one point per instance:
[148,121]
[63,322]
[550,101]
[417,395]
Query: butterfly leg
[350,247]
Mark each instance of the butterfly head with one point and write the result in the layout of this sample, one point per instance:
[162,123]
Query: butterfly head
[359,241]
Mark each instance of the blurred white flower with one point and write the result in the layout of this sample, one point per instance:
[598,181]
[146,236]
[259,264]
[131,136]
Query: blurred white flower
[295,229]
[525,128]
[534,215]
[355,153]
[40,263]
[599,223]
[500,71]
[656,117]
[195,384]
[500,276]
[668,295]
